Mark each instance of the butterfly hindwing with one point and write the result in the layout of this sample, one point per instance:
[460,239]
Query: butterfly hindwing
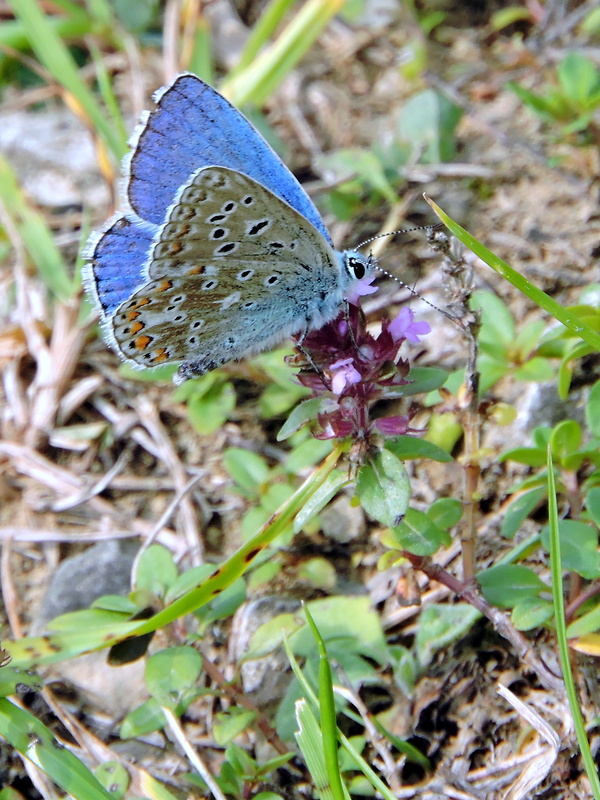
[232,271]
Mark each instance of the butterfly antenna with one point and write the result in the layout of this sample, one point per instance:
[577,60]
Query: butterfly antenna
[406,230]
[399,280]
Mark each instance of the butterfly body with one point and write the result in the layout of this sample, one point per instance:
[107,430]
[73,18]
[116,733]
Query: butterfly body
[213,261]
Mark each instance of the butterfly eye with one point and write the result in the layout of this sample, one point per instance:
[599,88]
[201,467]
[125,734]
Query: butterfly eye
[356,267]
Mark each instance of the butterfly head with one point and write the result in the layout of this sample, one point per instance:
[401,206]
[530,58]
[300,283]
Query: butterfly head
[360,273]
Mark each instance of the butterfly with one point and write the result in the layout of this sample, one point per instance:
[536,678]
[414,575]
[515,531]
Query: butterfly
[220,253]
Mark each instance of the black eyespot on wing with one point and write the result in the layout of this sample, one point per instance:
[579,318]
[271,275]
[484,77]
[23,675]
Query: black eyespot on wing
[258,227]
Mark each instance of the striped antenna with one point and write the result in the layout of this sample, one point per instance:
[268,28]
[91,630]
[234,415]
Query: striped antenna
[407,230]
[399,280]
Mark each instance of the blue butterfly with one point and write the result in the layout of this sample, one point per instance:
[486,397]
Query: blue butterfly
[220,253]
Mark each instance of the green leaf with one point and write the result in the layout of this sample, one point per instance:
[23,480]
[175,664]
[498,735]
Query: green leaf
[444,431]
[439,626]
[260,78]
[508,16]
[587,623]
[229,724]
[520,509]
[592,410]
[242,762]
[13,677]
[188,580]
[276,400]
[383,488]
[276,495]
[540,105]
[592,504]
[224,605]
[359,163]
[406,447]
[144,719]
[536,369]
[423,380]
[565,439]
[307,454]
[445,512]
[156,570]
[578,547]
[404,667]
[318,573]
[528,337]
[269,636]
[114,777]
[335,481]
[346,618]
[32,739]
[531,456]
[305,412]
[428,121]
[136,17]
[579,78]
[172,675]
[209,410]
[246,468]
[418,534]
[508,584]
[497,323]
[531,613]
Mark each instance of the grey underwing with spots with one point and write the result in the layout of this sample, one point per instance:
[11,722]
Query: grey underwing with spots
[235,266]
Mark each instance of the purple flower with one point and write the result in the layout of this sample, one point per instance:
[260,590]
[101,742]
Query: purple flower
[343,374]
[404,327]
[354,369]
[392,426]
[361,288]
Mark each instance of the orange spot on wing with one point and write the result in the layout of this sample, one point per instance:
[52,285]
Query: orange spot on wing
[160,355]
[143,301]
[164,286]
[131,315]
[136,328]
[196,271]
[143,342]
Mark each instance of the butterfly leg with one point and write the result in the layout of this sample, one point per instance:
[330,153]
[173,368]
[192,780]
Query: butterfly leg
[308,357]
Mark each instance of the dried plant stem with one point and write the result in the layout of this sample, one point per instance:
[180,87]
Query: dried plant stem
[499,619]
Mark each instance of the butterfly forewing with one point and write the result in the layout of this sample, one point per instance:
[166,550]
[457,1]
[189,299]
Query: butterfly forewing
[233,270]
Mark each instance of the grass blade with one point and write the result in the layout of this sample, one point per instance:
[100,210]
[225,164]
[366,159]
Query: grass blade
[561,634]
[52,52]
[258,81]
[573,323]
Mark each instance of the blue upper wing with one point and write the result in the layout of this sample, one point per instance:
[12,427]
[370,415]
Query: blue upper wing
[191,127]
[116,262]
